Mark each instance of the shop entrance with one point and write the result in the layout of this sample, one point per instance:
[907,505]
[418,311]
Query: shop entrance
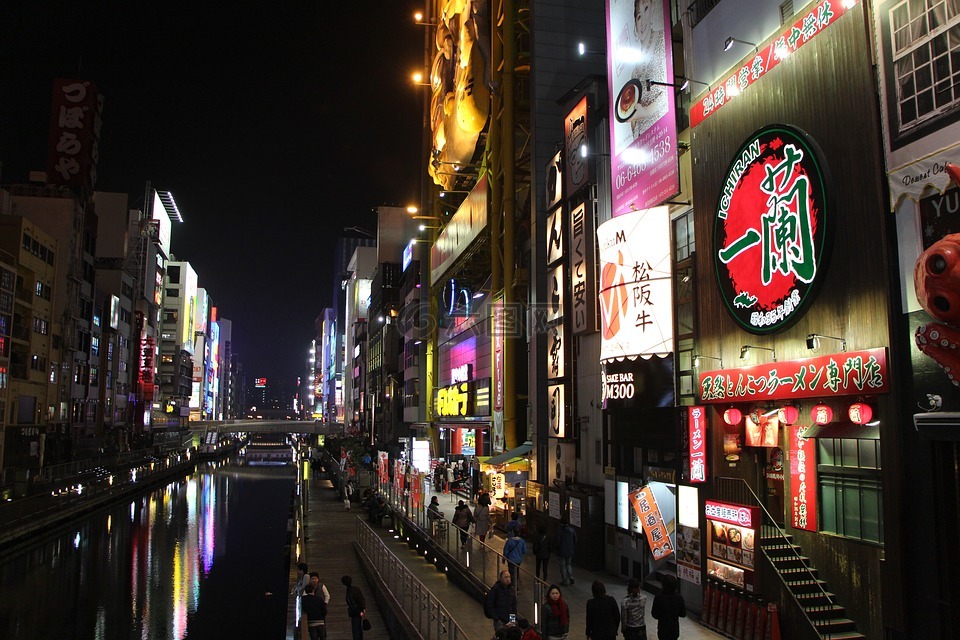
[773,500]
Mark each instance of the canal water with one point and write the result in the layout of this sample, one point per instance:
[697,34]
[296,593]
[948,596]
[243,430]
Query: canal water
[200,558]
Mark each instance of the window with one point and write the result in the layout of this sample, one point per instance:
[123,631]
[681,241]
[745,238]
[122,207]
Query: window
[44,290]
[94,376]
[683,239]
[172,292]
[173,273]
[35,247]
[38,363]
[95,346]
[40,326]
[53,372]
[26,241]
[851,494]
[50,256]
[786,11]
[925,41]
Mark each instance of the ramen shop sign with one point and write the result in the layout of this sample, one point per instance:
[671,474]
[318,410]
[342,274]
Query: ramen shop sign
[771,229]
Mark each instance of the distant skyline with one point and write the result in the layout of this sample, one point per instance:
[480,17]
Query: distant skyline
[272,130]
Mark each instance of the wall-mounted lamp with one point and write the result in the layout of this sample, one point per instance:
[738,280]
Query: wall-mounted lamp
[583,51]
[728,43]
[417,79]
[585,152]
[697,357]
[418,18]
[745,350]
[685,84]
[444,192]
[813,341]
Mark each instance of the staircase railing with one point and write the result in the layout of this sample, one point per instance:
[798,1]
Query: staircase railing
[737,489]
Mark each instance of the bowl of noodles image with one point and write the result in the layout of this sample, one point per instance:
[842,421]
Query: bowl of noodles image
[628,100]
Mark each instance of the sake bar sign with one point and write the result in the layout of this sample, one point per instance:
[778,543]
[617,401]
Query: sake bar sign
[771,230]
[808,26]
[838,374]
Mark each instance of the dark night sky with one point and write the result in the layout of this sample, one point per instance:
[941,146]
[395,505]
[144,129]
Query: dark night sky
[274,126]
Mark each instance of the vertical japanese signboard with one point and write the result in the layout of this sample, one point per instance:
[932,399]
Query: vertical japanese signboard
[646,508]
[803,480]
[636,286]
[772,229]
[75,123]
[499,326]
[583,282]
[642,112]
[697,424]
[575,136]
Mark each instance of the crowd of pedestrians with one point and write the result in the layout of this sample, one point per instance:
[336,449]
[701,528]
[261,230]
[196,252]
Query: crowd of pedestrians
[315,598]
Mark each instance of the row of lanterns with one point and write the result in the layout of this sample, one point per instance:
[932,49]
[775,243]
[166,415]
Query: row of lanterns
[821,414]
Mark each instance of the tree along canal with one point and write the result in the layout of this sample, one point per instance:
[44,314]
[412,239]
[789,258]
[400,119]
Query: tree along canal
[194,559]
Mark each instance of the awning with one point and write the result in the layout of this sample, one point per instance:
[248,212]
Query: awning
[510,456]
[846,430]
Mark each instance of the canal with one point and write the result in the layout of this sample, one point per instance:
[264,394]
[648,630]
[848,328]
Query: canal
[200,558]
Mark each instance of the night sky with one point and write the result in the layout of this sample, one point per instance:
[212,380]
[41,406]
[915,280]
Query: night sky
[273,125]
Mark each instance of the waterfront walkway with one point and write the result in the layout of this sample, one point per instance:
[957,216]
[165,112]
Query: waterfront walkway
[329,550]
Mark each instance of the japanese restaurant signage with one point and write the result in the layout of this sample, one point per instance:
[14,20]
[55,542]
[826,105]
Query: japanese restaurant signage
[805,29]
[837,374]
[771,230]
[803,480]
[731,543]
[732,513]
[463,399]
[697,424]
[74,133]
[646,508]
[575,135]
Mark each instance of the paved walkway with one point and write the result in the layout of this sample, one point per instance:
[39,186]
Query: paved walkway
[331,532]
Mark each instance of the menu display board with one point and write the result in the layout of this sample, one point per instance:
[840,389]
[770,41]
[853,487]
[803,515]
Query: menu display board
[731,543]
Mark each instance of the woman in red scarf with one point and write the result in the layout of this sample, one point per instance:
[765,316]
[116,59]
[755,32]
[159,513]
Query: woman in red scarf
[556,615]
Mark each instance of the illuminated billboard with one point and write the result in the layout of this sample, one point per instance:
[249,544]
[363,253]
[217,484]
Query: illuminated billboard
[636,287]
[644,169]
[161,220]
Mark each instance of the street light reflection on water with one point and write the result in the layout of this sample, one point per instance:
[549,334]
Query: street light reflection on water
[194,558]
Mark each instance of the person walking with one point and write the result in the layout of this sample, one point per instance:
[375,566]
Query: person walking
[556,615]
[356,606]
[513,550]
[603,614]
[633,611]
[668,608]
[501,602]
[462,519]
[434,515]
[347,495]
[314,609]
[482,518]
[541,551]
[565,543]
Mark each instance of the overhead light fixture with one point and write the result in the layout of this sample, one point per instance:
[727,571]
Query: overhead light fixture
[728,43]
[813,341]
[418,18]
[745,351]
[685,84]
[697,357]
[417,79]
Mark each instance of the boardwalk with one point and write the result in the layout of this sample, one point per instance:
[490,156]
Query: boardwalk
[329,550]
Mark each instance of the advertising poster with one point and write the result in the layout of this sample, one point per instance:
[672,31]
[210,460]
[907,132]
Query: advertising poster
[636,285]
[642,113]
[553,500]
[803,480]
[575,512]
[689,558]
[645,505]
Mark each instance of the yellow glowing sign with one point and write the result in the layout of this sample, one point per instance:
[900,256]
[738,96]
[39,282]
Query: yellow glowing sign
[453,401]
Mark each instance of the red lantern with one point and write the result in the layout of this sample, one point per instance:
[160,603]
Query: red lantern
[821,414]
[732,416]
[788,414]
[860,413]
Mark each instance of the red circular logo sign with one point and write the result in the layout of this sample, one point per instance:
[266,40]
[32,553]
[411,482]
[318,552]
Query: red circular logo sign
[770,232]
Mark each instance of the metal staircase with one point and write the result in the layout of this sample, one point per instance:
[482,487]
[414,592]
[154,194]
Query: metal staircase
[811,594]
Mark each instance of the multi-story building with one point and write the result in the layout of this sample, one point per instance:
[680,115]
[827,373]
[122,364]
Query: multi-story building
[356,304]
[8,283]
[31,389]
[177,345]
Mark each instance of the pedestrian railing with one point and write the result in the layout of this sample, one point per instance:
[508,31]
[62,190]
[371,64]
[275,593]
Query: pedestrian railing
[480,559]
[421,607]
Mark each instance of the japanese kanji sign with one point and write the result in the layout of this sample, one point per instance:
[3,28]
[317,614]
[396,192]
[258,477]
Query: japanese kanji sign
[803,480]
[583,280]
[697,424]
[771,229]
[838,374]
[575,134]
[808,26]
[75,123]
[645,505]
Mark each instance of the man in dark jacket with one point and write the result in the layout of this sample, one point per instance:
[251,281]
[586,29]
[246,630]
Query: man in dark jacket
[668,608]
[315,611]
[356,606]
[501,601]
[565,543]
[603,614]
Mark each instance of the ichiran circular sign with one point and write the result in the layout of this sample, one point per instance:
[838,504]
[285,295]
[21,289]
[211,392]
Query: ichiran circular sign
[771,231]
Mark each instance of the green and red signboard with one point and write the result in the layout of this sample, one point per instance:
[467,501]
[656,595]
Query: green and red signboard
[838,374]
[771,230]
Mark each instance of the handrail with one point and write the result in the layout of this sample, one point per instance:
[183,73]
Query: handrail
[769,527]
[418,605]
[479,559]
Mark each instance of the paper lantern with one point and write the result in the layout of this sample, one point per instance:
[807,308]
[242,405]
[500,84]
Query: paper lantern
[788,414]
[860,413]
[821,414]
[732,416]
